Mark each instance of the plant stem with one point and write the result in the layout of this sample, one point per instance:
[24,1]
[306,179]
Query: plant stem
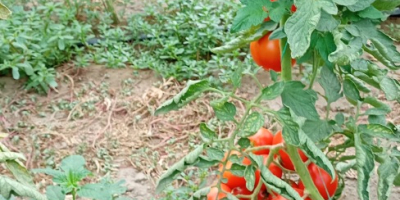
[257,81]
[286,57]
[328,110]
[278,146]
[292,150]
[314,69]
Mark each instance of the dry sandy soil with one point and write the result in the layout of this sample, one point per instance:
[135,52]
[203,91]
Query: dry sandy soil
[106,115]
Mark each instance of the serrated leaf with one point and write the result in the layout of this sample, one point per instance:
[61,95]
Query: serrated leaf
[343,167]
[274,183]
[249,176]
[4,11]
[20,172]
[206,133]
[377,104]
[273,91]
[301,101]
[200,193]
[351,92]
[365,167]
[246,37]
[325,45]
[345,2]
[192,90]
[278,9]
[330,83]
[387,172]
[225,112]
[205,162]
[252,124]
[317,130]
[303,22]
[238,170]
[54,193]
[387,5]
[252,14]
[327,22]
[9,186]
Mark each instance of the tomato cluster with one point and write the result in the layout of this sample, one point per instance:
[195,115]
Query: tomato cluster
[236,185]
[267,53]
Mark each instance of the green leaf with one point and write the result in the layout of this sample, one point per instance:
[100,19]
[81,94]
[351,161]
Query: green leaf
[252,124]
[274,75]
[378,130]
[9,186]
[387,5]
[358,83]
[238,170]
[15,73]
[343,167]
[273,91]
[345,53]
[345,2]
[351,92]
[189,93]
[251,14]
[390,88]
[20,172]
[327,22]
[206,133]
[215,154]
[339,119]
[274,183]
[104,190]
[317,130]
[278,9]
[278,33]
[9,156]
[249,176]
[205,162]
[303,22]
[325,45]
[244,143]
[387,173]
[377,119]
[301,101]
[54,193]
[4,11]
[237,77]
[173,171]
[365,167]
[371,13]
[330,82]
[360,5]
[246,37]
[380,108]
[224,111]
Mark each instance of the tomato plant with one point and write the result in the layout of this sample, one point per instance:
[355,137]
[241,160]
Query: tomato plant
[215,194]
[329,37]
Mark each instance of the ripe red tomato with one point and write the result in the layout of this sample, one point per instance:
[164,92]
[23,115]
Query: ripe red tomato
[262,138]
[212,195]
[267,54]
[233,181]
[262,195]
[293,9]
[322,180]
[285,159]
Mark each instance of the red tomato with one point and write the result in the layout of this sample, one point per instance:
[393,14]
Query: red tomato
[233,181]
[267,54]
[279,197]
[322,180]
[293,9]
[262,195]
[285,159]
[262,138]
[212,195]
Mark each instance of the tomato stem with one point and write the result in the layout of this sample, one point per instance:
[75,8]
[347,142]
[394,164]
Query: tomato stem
[314,69]
[292,150]
[286,62]
[272,147]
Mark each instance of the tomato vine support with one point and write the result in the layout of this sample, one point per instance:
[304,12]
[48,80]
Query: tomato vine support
[299,165]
